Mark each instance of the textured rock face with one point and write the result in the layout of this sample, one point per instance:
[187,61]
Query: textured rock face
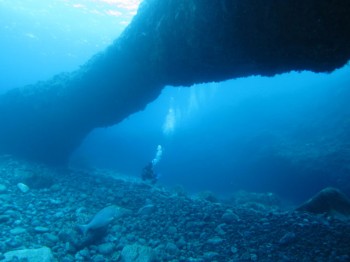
[172,42]
[327,201]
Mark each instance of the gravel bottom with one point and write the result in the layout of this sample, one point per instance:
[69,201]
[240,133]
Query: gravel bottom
[161,225]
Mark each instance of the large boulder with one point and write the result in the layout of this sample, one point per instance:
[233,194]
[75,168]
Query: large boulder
[329,201]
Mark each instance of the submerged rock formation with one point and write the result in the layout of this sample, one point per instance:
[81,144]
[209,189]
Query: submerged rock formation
[329,201]
[172,42]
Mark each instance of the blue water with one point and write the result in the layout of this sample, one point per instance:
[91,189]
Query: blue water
[222,134]
[41,38]
[247,133]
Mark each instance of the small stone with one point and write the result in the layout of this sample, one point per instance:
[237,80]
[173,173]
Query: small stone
[3,188]
[106,248]
[229,217]
[35,223]
[253,257]
[5,197]
[172,230]
[43,254]
[23,187]
[99,258]
[209,256]
[18,231]
[51,237]
[142,241]
[215,240]
[146,210]
[234,250]
[11,213]
[13,243]
[4,218]
[55,202]
[171,249]
[137,253]
[83,196]
[181,242]
[245,257]
[40,229]
[131,237]
[84,253]
[287,238]
[55,188]
[219,229]
[58,214]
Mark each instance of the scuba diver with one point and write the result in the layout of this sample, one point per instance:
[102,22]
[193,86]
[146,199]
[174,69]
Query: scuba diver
[148,174]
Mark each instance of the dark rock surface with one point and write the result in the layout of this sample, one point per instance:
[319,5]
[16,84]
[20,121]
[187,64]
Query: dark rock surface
[328,201]
[172,42]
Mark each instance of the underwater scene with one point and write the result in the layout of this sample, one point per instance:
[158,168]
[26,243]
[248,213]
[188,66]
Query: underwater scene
[174,130]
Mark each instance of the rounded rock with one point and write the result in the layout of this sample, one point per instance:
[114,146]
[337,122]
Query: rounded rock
[3,188]
[215,241]
[106,248]
[23,187]
[171,248]
[229,217]
[40,229]
[51,237]
[18,231]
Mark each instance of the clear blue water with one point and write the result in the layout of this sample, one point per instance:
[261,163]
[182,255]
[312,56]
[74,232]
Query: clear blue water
[221,133]
[238,134]
[41,38]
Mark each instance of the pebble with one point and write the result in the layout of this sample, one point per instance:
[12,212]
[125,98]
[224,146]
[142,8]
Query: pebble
[215,240]
[253,257]
[23,187]
[43,254]
[234,250]
[181,242]
[18,231]
[219,229]
[209,256]
[59,214]
[13,243]
[137,253]
[3,188]
[99,258]
[229,217]
[146,210]
[4,218]
[40,229]
[84,253]
[172,230]
[51,237]
[36,223]
[171,248]
[287,238]
[55,201]
[106,248]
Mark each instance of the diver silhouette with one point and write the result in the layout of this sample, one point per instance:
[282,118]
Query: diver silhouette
[148,173]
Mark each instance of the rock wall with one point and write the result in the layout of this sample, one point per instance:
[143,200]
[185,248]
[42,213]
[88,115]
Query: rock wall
[172,42]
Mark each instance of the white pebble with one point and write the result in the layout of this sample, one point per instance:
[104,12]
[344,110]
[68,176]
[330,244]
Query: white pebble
[23,187]
[2,188]
[40,229]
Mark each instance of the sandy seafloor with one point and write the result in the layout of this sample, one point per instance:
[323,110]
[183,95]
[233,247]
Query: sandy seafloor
[163,224]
